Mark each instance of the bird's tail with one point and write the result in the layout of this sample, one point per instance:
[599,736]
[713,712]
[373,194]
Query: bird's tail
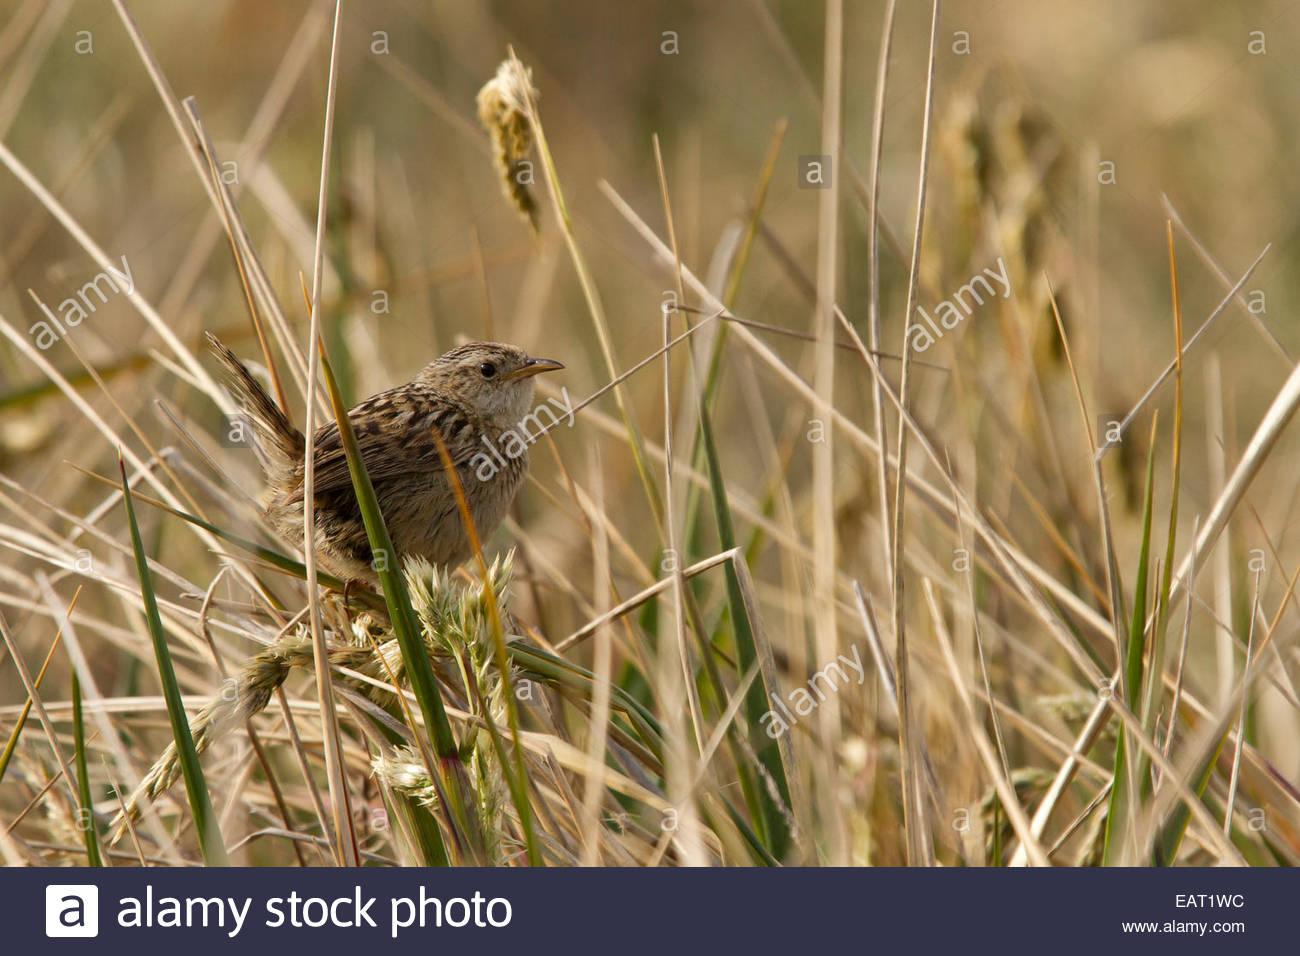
[278,442]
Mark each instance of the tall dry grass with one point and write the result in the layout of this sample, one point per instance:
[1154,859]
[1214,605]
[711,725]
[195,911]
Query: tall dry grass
[788,588]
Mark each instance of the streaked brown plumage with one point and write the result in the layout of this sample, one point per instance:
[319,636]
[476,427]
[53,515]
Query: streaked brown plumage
[473,393]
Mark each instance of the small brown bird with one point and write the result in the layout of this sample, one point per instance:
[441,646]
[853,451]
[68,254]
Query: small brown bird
[474,396]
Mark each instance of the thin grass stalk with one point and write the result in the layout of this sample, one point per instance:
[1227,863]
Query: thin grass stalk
[1155,675]
[775,760]
[27,63]
[421,826]
[765,806]
[1025,574]
[186,358]
[26,395]
[1176,787]
[790,785]
[1092,728]
[919,850]
[92,699]
[1114,581]
[998,737]
[402,617]
[1225,279]
[254,740]
[637,600]
[516,777]
[193,149]
[1235,776]
[565,673]
[86,808]
[746,633]
[1005,789]
[97,137]
[602,664]
[885,667]
[211,844]
[1169,369]
[226,207]
[266,555]
[1187,783]
[17,732]
[250,267]
[875,340]
[345,837]
[825,621]
[39,359]
[1126,787]
[254,139]
[155,455]
[769,24]
[1179,669]
[713,373]
[64,774]
[1220,560]
[588,285]
[670,523]
[682,596]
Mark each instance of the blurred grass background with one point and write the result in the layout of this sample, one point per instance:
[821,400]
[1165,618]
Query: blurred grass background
[1032,101]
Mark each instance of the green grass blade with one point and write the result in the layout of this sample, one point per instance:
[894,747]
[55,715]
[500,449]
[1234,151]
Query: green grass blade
[1137,624]
[1156,673]
[1115,805]
[12,744]
[762,855]
[769,818]
[86,812]
[732,291]
[274,558]
[545,667]
[406,626]
[516,775]
[1172,833]
[1125,779]
[205,820]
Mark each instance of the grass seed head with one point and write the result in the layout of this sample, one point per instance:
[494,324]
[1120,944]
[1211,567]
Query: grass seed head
[503,111]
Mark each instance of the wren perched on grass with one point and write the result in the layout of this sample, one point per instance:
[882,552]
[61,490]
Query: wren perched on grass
[471,396]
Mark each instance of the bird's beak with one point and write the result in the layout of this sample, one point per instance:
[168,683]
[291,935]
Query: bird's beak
[534,366]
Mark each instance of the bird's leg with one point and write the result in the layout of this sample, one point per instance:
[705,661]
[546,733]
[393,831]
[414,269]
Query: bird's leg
[347,611]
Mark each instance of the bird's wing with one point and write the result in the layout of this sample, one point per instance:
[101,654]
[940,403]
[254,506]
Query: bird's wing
[395,431]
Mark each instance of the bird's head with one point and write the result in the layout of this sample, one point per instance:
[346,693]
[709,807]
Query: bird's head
[493,378]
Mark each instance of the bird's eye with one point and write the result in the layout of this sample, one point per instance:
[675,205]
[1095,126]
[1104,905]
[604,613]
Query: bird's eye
[487,370]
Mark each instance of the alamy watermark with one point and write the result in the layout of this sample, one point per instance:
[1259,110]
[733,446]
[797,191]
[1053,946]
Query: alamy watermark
[74,310]
[513,442]
[803,700]
[922,335]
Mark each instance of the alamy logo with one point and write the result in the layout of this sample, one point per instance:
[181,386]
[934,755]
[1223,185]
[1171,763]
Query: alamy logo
[71,909]
[973,293]
[74,310]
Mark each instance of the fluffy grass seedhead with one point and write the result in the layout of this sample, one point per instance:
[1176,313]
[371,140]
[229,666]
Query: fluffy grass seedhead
[503,111]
